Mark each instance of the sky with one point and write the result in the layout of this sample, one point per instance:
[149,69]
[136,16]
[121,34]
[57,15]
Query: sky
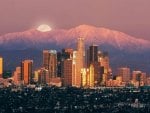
[129,16]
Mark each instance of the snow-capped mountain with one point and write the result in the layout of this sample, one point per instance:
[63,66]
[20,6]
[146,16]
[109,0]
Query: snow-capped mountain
[59,38]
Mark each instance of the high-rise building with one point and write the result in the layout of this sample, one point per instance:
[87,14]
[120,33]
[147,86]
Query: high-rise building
[1,67]
[17,76]
[80,62]
[124,73]
[91,80]
[93,54]
[26,71]
[103,59]
[43,77]
[93,59]
[67,72]
[65,54]
[135,75]
[84,75]
[74,65]
[50,62]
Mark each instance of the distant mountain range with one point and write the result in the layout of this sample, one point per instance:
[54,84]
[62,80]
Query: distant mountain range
[124,50]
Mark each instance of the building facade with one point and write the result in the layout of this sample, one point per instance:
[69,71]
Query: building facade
[67,72]
[79,61]
[50,62]
[26,71]
[124,73]
[1,67]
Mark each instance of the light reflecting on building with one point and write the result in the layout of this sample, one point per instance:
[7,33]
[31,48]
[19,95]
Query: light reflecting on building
[91,76]
[36,75]
[103,59]
[50,62]
[74,64]
[26,71]
[43,77]
[17,76]
[1,67]
[84,74]
[80,59]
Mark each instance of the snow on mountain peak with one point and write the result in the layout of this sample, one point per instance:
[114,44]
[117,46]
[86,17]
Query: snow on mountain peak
[60,38]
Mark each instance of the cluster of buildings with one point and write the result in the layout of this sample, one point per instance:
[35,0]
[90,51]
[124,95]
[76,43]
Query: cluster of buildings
[79,68]
[125,77]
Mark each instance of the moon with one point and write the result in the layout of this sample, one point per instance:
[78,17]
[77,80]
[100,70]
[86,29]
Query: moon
[44,28]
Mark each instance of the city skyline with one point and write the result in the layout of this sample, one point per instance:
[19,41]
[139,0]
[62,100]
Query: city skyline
[81,77]
[80,67]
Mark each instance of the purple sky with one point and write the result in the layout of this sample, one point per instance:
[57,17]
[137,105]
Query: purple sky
[129,16]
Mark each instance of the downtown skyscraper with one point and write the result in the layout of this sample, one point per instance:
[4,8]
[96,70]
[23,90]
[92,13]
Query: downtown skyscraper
[67,72]
[66,66]
[50,62]
[26,71]
[17,76]
[93,62]
[93,54]
[79,62]
[124,73]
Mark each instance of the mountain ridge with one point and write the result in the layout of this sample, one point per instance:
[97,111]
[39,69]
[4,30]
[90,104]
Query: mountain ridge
[58,38]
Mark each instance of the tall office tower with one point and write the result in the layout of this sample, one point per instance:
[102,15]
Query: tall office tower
[91,76]
[17,76]
[93,59]
[67,72]
[124,73]
[26,71]
[103,59]
[1,67]
[80,60]
[50,62]
[74,65]
[93,54]
[43,77]
[65,54]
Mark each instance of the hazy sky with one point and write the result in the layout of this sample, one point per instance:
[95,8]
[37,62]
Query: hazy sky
[129,16]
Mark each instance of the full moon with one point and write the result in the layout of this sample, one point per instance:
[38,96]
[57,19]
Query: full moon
[44,28]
